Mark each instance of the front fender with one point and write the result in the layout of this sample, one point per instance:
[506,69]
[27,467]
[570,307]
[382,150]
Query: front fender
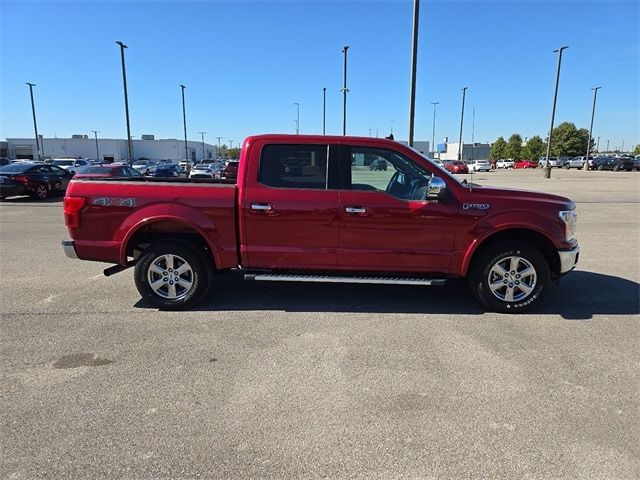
[552,229]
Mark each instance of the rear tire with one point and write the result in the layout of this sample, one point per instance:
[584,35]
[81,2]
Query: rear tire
[172,275]
[509,277]
[41,192]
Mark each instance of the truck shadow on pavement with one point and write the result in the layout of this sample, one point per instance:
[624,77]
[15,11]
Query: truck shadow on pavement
[578,296]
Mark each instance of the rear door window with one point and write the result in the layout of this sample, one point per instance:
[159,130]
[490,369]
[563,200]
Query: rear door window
[294,166]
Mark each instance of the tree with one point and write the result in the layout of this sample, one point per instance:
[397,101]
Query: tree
[534,149]
[498,149]
[514,147]
[636,150]
[568,141]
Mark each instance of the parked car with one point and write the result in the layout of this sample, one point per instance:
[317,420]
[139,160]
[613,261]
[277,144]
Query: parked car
[509,245]
[505,163]
[167,170]
[4,161]
[525,164]
[145,167]
[615,163]
[575,162]
[479,166]
[230,171]
[102,171]
[378,164]
[553,162]
[456,166]
[37,180]
[185,166]
[69,164]
[636,162]
[205,170]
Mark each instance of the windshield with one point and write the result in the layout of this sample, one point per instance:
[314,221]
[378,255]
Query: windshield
[140,163]
[437,163]
[63,163]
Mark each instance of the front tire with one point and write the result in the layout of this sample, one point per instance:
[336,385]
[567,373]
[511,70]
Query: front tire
[172,275]
[510,277]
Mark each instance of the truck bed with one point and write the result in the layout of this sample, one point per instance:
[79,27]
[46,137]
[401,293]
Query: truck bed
[117,210]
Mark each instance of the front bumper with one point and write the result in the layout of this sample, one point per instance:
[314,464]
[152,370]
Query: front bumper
[568,259]
[69,249]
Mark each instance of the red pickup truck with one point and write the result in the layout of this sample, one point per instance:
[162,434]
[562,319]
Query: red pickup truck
[310,208]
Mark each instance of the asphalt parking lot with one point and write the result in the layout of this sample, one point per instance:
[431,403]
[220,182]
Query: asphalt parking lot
[323,381]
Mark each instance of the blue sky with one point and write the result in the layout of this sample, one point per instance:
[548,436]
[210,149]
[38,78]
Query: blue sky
[246,63]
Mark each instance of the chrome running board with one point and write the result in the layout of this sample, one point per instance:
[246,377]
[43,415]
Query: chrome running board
[274,277]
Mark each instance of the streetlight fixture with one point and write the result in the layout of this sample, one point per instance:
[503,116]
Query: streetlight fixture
[345,90]
[593,112]
[35,124]
[433,132]
[184,121]
[297,117]
[464,92]
[126,101]
[95,133]
[202,133]
[547,169]
[324,111]
[414,60]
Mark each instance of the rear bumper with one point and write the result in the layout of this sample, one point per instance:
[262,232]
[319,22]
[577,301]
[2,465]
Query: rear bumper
[69,249]
[568,259]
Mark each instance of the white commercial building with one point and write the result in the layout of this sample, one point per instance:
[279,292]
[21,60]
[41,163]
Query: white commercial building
[107,149]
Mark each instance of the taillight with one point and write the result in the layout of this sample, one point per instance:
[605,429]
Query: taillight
[21,178]
[72,207]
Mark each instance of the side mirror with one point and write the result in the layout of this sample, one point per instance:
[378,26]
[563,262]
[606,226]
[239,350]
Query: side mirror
[436,188]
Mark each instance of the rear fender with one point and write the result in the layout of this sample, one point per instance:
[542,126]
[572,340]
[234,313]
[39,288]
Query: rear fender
[167,212]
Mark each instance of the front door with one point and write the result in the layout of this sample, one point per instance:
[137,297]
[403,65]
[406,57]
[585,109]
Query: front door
[289,213]
[387,223]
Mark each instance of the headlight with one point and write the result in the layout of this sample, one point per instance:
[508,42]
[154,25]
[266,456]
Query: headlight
[570,219]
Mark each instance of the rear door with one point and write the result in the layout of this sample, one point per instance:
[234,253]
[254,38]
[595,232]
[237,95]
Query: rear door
[387,223]
[289,213]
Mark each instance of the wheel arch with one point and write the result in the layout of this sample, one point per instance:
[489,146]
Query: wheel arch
[526,235]
[165,227]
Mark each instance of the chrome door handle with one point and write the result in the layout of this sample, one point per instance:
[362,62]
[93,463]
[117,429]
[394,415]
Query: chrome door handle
[355,210]
[262,207]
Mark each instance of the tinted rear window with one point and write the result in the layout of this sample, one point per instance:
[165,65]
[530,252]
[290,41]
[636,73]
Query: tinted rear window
[294,166]
[16,168]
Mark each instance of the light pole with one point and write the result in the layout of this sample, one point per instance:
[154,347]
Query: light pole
[473,133]
[598,145]
[95,133]
[593,112]
[219,138]
[607,146]
[433,131]
[202,133]
[184,121]
[126,101]
[344,91]
[297,117]
[324,111]
[230,144]
[547,169]
[464,92]
[35,124]
[414,60]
